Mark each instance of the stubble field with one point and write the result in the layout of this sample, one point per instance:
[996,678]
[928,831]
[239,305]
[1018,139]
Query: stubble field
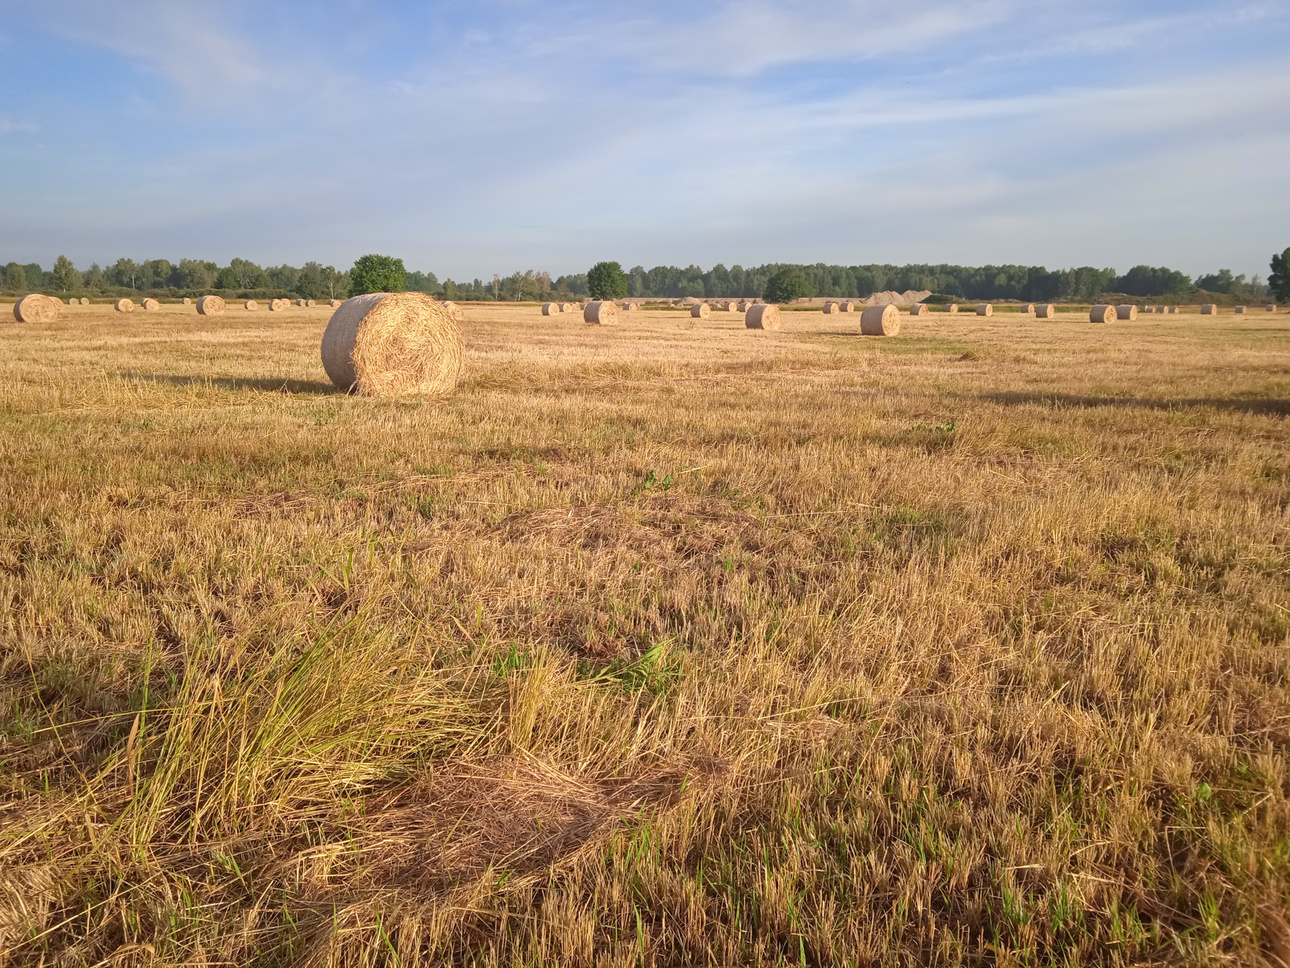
[664,644]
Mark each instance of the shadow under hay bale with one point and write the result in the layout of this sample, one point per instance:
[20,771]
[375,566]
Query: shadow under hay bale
[393,344]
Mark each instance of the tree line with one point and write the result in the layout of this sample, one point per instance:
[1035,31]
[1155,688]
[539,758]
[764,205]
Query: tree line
[316,281]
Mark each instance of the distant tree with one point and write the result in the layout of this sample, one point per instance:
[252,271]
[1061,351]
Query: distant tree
[243,274]
[65,275]
[195,274]
[310,283]
[377,273]
[1220,281]
[786,285]
[422,282]
[124,273]
[157,274]
[15,276]
[36,276]
[284,277]
[337,283]
[606,280]
[1148,281]
[1278,279]
[94,278]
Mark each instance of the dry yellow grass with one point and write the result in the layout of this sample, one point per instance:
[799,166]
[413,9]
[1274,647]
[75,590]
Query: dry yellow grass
[665,644]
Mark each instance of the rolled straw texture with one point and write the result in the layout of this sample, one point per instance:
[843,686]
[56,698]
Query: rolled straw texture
[602,312]
[73,301]
[151,305]
[334,303]
[550,309]
[880,320]
[35,308]
[457,312]
[918,309]
[732,306]
[251,305]
[210,306]
[701,311]
[1126,312]
[1045,311]
[393,343]
[851,307]
[952,308]
[762,316]
[1102,314]
[567,307]
[187,301]
[85,300]
[1028,309]
[1210,309]
[125,305]
[831,309]
[985,309]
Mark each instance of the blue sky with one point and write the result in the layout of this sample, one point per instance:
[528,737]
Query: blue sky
[480,136]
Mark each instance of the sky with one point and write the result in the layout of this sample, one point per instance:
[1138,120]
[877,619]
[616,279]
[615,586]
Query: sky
[472,137]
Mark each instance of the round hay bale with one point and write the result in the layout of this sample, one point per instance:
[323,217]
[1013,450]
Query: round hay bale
[35,308]
[334,303]
[1045,311]
[393,343]
[1270,308]
[85,300]
[631,307]
[880,320]
[746,304]
[567,307]
[952,308]
[732,306]
[1102,314]
[550,309]
[73,301]
[300,303]
[251,305]
[602,312]
[1028,309]
[831,309]
[1240,310]
[277,305]
[701,311]
[210,306]
[309,304]
[1126,312]
[125,305]
[1209,309]
[918,309]
[456,311]
[762,316]
[187,301]
[151,305]
[850,306]
[985,309]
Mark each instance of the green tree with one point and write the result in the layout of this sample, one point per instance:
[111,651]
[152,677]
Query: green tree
[1278,280]
[606,280]
[195,274]
[310,284]
[786,285]
[65,275]
[124,273]
[156,274]
[377,273]
[94,278]
[337,283]
[15,276]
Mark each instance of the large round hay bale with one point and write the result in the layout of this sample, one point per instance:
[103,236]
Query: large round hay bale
[393,343]
[36,308]
[1126,312]
[310,304]
[456,311]
[984,309]
[602,312]
[550,309]
[85,300]
[1045,311]
[210,306]
[880,320]
[851,306]
[1102,314]
[918,309]
[73,301]
[277,305]
[567,307]
[151,305]
[732,306]
[831,309]
[1240,310]
[701,311]
[125,305]
[300,303]
[187,301]
[952,308]
[1209,309]
[762,316]
[251,305]
[1028,309]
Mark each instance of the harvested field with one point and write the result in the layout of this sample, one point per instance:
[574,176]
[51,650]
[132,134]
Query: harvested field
[666,643]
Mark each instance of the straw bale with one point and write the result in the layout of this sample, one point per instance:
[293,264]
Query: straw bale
[35,308]
[85,300]
[73,301]
[277,305]
[310,303]
[1209,309]
[550,309]
[831,309]
[393,343]
[701,311]
[187,301]
[210,306]
[1271,308]
[880,320]
[251,305]
[985,309]
[458,313]
[334,303]
[1102,314]
[918,309]
[851,306]
[602,312]
[762,316]
[1028,309]
[631,307]
[300,303]
[952,308]
[125,305]
[567,307]
[1045,311]
[151,305]
[732,306]
[1240,310]
[1126,312]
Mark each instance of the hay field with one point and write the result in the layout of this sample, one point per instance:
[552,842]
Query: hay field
[668,643]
